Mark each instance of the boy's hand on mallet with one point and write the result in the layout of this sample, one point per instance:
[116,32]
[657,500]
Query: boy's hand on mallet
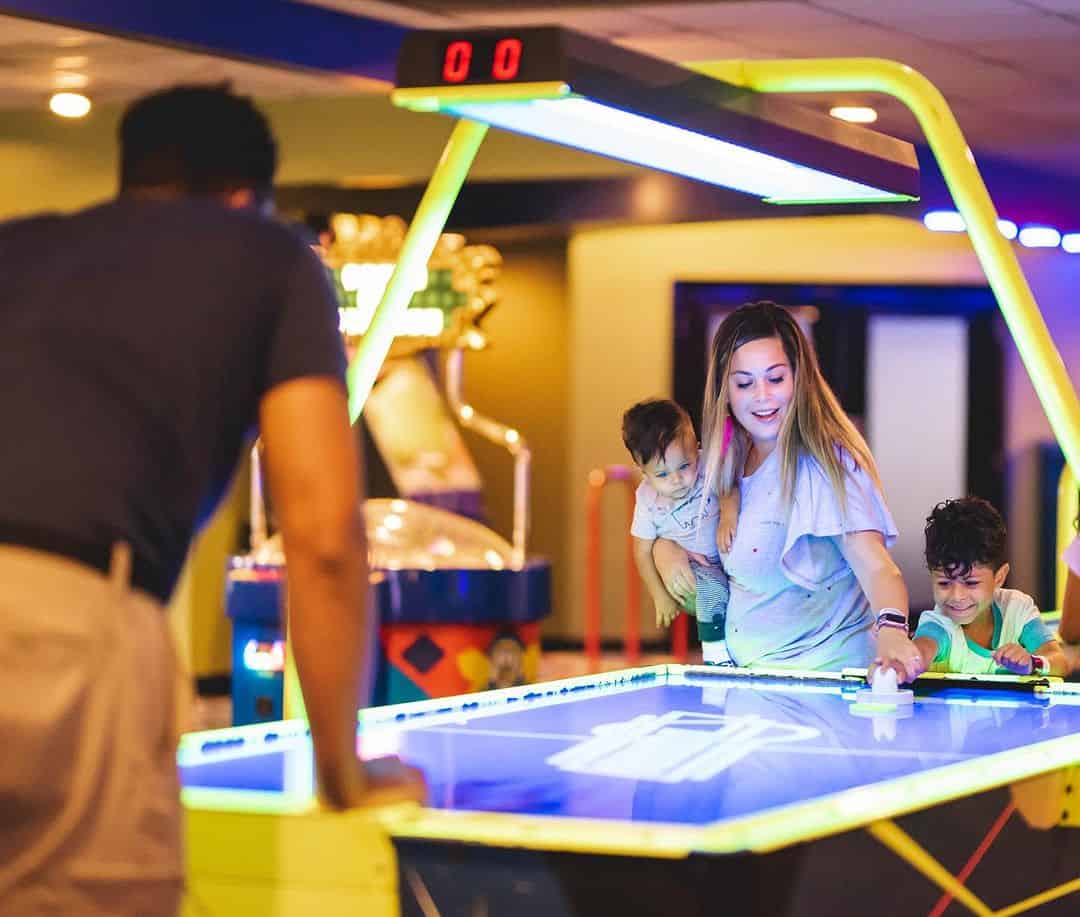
[1014,657]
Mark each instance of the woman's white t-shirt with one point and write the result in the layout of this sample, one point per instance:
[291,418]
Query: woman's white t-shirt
[795,601]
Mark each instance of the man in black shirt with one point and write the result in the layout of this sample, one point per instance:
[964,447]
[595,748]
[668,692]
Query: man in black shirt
[143,341]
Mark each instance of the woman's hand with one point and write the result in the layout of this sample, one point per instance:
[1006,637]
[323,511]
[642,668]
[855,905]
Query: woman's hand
[725,534]
[673,565]
[897,652]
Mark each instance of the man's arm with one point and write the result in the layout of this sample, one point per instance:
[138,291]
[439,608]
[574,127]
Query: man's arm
[314,477]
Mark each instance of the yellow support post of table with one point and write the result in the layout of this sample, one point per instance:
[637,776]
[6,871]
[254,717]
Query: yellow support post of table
[904,846]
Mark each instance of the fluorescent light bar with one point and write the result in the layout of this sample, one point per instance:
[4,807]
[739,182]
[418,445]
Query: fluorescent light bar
[1008,229]
[598,128]
[944,221]
[1040,237]
[564,87]
[1071,242]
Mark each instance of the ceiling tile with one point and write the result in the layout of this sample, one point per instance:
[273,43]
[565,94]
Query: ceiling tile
[399,13]
[883,10]
[1053,57]
[684,48]
[985,27]
[1065,7]
[608,21]
[774,14]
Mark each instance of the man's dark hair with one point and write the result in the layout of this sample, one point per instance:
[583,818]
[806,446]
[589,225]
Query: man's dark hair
[649,427]
[199,140]
[962,533]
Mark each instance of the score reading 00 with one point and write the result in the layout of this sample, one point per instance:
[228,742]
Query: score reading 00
[504,64]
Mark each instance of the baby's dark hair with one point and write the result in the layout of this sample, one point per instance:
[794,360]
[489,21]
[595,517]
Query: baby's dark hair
[649,427]
[964,532]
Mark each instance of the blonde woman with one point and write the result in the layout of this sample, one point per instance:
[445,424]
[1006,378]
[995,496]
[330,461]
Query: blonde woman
[812,582]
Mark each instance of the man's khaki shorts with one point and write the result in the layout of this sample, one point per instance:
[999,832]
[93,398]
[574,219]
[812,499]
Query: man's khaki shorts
[89,797]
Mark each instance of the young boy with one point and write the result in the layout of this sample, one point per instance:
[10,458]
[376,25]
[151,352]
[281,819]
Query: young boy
[976,626]
[670,504]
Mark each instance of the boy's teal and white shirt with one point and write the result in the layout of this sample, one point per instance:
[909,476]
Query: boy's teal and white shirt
[1016,620]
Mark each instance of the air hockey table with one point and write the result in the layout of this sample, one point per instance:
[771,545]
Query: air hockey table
[648,783]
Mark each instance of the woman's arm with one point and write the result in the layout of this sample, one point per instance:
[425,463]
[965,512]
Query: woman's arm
[1069,629]
[729,519]
[884,588]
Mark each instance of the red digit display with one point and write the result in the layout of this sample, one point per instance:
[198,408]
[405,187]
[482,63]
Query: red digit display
[507,59]
[456,61]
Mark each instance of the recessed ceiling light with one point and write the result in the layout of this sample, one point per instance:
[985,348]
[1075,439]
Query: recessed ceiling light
[69,104]
[856,114]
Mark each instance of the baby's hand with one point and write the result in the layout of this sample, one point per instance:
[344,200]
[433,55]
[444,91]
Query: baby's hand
[725,535]
[1014,657]
[667,609]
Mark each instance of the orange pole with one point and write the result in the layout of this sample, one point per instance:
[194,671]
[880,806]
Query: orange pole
[632,606]
[679,637]
[594,491]
[598,479]
[632,611]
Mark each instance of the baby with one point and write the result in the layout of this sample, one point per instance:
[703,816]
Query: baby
[670,503]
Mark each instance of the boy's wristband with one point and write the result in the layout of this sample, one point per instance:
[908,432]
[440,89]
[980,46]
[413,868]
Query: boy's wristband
[890,617]
[1040,665]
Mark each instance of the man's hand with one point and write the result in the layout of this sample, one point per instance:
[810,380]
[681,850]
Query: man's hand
[673,565]
[896,651]
[378,782]
[1014,657]
[725,534]
[667,610]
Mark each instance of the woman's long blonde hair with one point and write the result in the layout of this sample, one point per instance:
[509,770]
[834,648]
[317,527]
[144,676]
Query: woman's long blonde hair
[815,423]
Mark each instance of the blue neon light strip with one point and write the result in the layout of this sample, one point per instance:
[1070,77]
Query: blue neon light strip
[596,128]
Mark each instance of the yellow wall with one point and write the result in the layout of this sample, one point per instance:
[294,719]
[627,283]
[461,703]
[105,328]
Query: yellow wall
[51,163]
[621,284]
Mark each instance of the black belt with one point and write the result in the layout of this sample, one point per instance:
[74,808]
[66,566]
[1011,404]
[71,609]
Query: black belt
[144,575]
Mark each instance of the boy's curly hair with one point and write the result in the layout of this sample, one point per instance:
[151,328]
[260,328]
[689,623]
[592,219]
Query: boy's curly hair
[964,532]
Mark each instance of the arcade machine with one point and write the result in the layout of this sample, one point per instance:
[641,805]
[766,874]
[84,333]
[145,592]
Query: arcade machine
[459,606]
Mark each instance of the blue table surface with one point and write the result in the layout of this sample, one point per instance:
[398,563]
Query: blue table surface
[692,750]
